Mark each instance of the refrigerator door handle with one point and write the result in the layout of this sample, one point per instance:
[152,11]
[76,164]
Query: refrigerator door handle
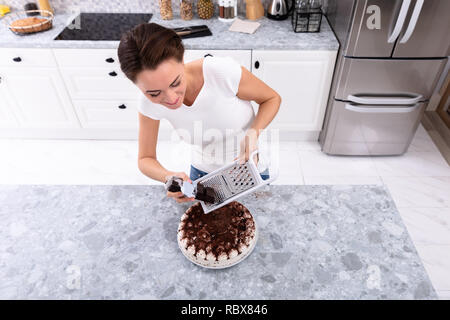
[377,109]
[412,21]
[400,21]
[390,100]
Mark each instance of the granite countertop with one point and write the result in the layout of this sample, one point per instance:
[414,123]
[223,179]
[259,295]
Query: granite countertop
[120,242]
[271,35]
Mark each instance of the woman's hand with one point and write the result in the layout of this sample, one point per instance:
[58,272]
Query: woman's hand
[179,196]
[248,144]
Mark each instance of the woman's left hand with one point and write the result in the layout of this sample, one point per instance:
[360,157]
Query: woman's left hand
[248,144]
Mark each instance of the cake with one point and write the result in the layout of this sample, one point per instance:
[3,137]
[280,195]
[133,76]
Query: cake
[218,239]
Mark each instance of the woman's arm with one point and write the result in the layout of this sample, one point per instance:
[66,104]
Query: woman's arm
[147,162]
[148,136]
[252,88]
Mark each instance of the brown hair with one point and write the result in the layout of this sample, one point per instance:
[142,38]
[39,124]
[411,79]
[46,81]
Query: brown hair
[146,46]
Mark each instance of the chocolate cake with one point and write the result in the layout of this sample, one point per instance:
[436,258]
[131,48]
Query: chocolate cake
[218,239]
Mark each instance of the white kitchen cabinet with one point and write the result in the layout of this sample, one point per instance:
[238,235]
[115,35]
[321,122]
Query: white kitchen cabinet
[113,116]
[7,118]
[37,97]
[96,58]
[302,79]
[94,74]
[99,83]
[102,95]
[26,57]
[107,113]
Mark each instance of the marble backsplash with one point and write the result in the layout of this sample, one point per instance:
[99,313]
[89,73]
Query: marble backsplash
[116,5]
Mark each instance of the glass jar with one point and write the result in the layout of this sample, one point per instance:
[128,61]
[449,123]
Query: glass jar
[315,15]
[186,9]
[301,16]
[165,9]
[205,9]
[227,10]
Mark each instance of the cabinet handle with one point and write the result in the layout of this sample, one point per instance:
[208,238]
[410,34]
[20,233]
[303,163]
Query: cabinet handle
[113,74]
[207,55]
[256,64]
[17,59]
[122,106]
[110,60]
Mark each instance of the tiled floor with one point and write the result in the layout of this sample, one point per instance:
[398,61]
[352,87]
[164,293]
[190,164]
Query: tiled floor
[418,181]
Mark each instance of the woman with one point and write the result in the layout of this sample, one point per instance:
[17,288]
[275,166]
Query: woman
[211,93]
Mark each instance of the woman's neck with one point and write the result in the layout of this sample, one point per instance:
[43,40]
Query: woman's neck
[190,94]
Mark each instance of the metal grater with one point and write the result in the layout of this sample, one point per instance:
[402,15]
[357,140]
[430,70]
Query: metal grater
[231,182]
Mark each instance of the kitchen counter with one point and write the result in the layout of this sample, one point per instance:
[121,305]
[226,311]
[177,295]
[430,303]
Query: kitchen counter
[119,242]
[271,35]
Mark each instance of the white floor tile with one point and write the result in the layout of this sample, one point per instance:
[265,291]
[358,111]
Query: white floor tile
[319,164]
[427,226]
[70,162]
[419,191]
[288,145]
[174,156]
[436,260]
[333,180]
[412,164]
[422,141]
[443,295]
[308,145]
[288,164]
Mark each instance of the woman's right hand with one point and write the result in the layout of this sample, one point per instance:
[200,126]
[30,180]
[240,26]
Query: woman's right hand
[179,196]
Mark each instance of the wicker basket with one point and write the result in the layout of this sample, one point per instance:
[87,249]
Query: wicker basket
[41,26]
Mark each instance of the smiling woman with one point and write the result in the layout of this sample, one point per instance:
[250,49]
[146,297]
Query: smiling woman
[209,96]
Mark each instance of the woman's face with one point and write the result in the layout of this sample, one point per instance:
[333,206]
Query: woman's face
[166,85]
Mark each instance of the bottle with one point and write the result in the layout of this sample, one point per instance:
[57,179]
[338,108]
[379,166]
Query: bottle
[186,10]
[165,9]
[227,10]
[45,5]
[254,9]
[221,9]
[234,4]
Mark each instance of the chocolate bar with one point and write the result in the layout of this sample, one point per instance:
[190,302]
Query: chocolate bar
[174,184]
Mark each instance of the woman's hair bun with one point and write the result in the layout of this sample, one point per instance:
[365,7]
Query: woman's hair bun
[146,46]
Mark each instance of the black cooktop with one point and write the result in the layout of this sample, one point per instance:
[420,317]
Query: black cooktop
[102,26]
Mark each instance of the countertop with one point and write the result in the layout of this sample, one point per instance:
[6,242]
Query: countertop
[271,35]
[119,242]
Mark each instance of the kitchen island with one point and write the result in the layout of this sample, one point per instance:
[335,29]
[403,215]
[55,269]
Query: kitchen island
[119,242]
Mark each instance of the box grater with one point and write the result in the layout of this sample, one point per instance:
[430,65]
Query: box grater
[230,182]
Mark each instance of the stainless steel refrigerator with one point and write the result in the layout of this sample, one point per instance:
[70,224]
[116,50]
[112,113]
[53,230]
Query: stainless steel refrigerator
[391,55]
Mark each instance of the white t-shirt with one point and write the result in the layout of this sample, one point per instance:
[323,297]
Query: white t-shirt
[216,122]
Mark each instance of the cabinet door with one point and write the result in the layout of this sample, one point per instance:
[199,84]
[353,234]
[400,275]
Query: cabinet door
[241,56]
[302,79]
[38,97]
[26,58]
[107,113]
[83,58]
[7,118]
[99,83]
